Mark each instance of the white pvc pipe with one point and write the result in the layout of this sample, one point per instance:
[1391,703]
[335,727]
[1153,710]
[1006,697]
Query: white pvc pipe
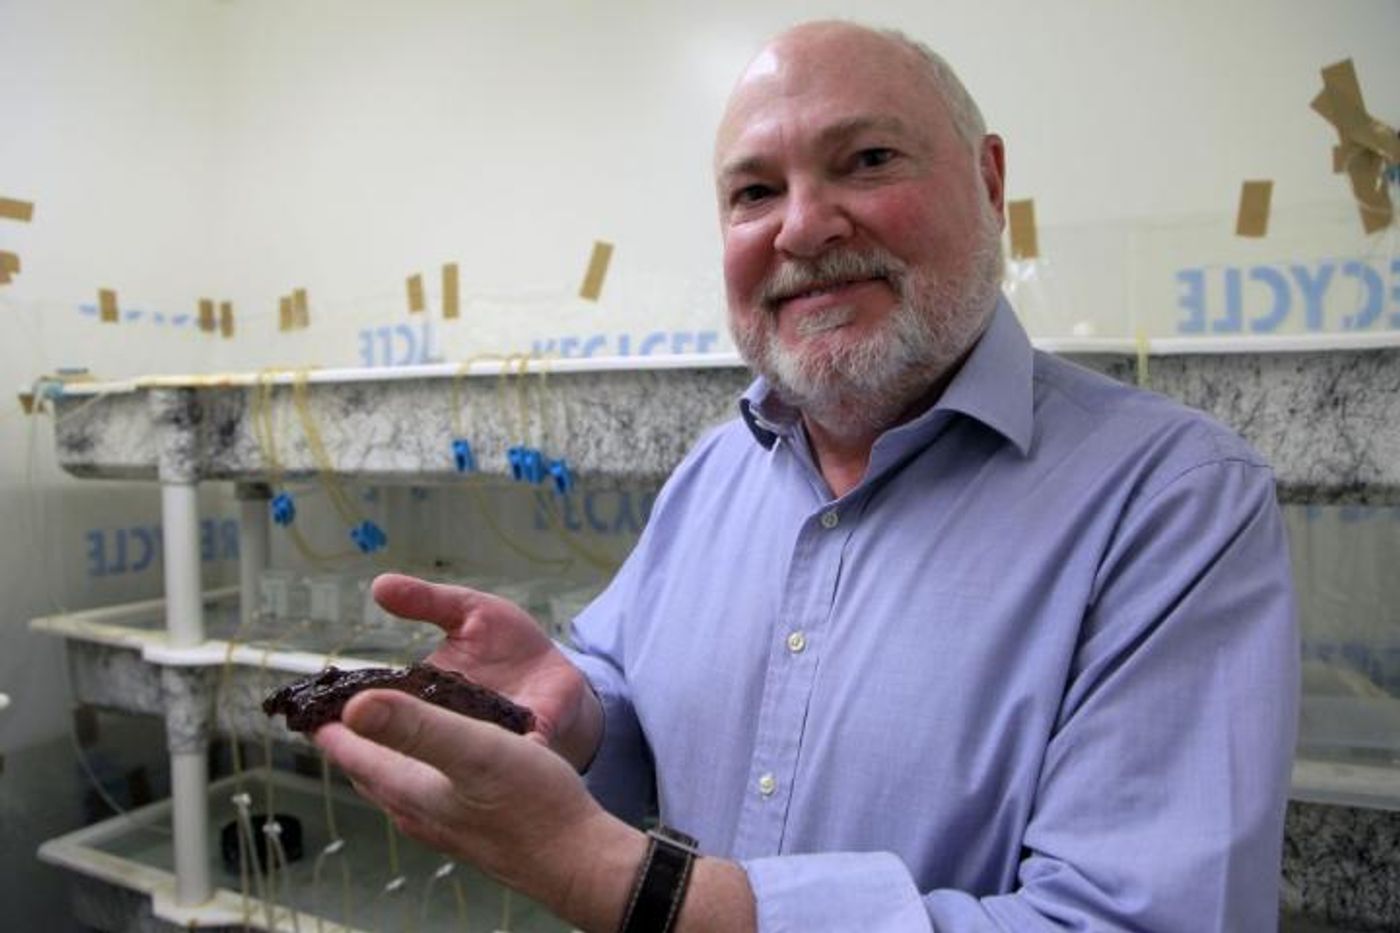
[189,798]
[253,550]
[184,606]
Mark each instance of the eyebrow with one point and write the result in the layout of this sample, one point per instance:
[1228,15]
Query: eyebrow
[838,132]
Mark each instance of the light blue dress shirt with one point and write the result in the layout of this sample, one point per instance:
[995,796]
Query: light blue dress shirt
[1038,671]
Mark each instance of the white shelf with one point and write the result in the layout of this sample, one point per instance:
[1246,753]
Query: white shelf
[536,365]
[1373,787]
[138,626]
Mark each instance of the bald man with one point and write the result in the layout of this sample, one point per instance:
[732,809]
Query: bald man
[941,633]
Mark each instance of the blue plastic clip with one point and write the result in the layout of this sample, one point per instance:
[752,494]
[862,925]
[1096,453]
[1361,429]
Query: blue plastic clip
[563,476]
[368,536]
[534,466]
[527,465]
[284,510]
[462,455]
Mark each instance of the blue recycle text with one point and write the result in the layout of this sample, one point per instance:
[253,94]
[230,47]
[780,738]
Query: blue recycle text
[1321,295]
[137,548]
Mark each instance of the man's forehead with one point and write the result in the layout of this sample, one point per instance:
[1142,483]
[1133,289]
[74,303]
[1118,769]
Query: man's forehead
[869,83]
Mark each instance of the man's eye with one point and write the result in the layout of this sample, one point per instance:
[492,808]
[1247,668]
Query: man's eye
[750,194]
[873,158]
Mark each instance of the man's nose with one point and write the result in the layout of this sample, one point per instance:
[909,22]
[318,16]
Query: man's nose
[813,221]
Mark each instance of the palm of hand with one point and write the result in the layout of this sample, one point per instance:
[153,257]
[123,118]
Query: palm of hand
[498,644]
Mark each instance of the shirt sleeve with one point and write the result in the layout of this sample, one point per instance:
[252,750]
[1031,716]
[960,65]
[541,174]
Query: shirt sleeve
[1161,796]
[620,776]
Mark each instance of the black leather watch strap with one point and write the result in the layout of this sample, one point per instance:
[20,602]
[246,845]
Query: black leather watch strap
[659,890]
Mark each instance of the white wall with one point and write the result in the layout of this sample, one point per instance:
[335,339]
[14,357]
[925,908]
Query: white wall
[370,140]
[238,149]
[107,124]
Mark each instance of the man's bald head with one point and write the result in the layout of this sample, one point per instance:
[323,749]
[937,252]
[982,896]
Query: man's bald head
[966,115]
[822,37]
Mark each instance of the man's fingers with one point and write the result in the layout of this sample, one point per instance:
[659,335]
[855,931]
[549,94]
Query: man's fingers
[448,741]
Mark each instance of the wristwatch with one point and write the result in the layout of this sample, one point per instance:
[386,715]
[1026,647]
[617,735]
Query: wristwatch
[659,890]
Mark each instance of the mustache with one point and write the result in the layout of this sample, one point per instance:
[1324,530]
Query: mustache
[798,276]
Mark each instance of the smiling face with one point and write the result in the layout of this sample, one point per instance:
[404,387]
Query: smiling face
[861,232]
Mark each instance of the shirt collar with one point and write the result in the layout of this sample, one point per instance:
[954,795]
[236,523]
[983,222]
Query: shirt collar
[993,386]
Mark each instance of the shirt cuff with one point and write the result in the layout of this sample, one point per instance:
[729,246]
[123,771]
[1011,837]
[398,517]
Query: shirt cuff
[620,774]
[868,891]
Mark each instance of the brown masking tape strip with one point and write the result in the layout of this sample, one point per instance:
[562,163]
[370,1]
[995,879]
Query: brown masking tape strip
[26,402]
[1371,192]
[1341,155]
[9,262]
[301,309]
[206,315]
[1025,243]
[416,302]
[10,209]
[5,277]
[451,292]
[1388,141]
[1340,103]
[1325,107]
[1379,138]
[1356,127]
[1365,170]
[1339,78]
[284,313]
[1253,217]
[226,318]
[592,286]
[107,303]
[1366,144]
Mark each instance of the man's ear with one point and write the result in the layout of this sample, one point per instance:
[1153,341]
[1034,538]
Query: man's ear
[991,162]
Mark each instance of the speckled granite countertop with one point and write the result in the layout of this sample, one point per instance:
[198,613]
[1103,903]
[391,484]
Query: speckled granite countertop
[1325,420]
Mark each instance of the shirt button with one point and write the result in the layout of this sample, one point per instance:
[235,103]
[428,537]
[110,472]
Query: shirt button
[796,642]
[829,519]
[767,784]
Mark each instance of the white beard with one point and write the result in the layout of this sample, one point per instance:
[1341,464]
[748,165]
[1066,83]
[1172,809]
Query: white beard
[854,387]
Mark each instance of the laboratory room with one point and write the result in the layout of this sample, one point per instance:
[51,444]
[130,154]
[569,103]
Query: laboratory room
[784,465]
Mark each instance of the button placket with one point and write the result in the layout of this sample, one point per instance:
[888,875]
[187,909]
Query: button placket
[813,569]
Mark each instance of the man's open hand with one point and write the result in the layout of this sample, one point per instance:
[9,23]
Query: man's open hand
[496,643]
